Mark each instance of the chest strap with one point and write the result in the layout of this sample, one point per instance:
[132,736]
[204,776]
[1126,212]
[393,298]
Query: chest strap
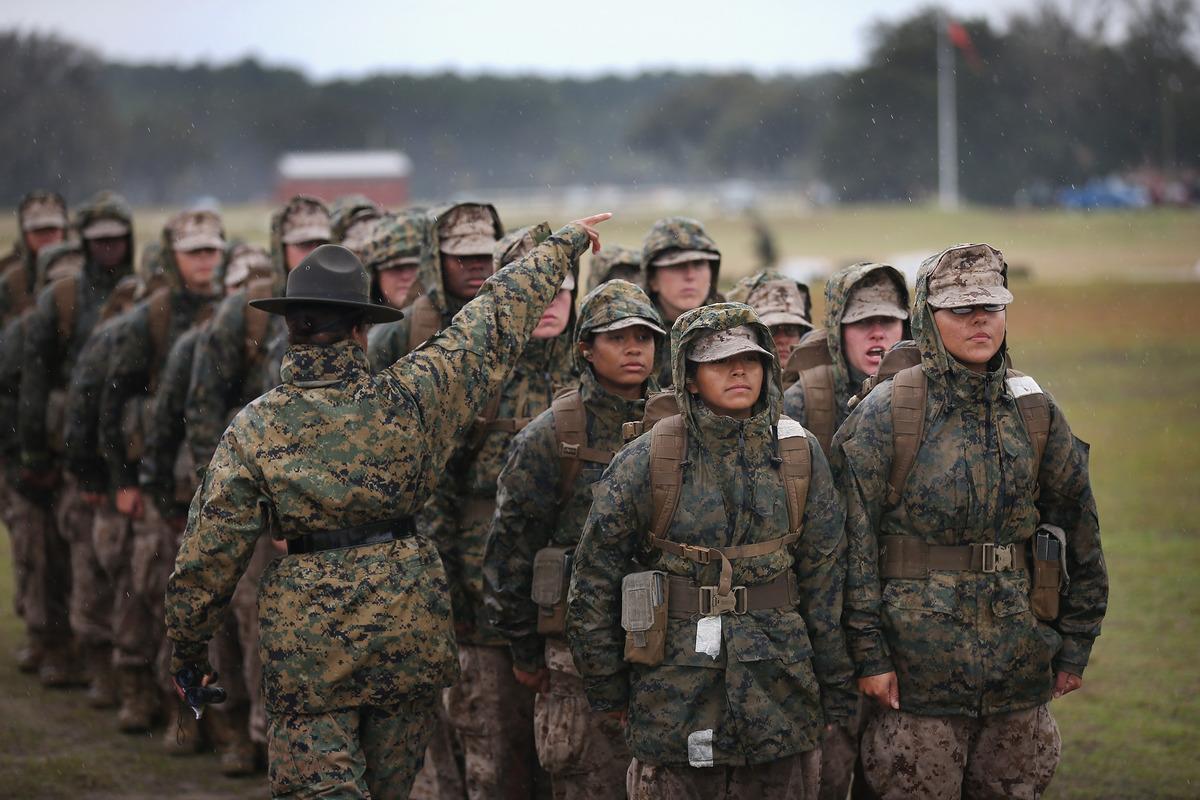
[705,555]
[909,557]
[507,425]
[686,597]
[354,536]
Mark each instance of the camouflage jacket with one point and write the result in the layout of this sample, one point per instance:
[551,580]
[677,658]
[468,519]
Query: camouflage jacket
[46,358]
[83,457]
[389,341]
[780,673]
[167,427]
[845,386]
[530,511]
[335,447]
[966,642]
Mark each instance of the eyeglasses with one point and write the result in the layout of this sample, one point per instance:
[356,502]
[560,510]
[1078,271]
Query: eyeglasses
[991,308]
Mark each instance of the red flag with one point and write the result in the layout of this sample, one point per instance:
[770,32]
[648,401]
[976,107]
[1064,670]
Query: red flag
[962,40]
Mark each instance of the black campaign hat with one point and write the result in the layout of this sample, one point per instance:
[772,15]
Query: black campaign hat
[331,275]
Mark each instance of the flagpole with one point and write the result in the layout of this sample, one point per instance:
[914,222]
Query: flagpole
[947,119]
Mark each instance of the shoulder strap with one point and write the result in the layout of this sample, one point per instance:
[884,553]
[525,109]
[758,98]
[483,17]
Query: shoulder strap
[66,304]
[659,406]
[159,306]
[668,449]
[16,281]
[797,469]
[426,322]
[908,426]
[570,429]
[820,405]
[1035,411]
[257,320]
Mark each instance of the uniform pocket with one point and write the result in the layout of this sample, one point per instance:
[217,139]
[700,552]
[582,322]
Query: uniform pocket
[930,641]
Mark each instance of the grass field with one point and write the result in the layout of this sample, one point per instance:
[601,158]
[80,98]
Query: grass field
[1107,324]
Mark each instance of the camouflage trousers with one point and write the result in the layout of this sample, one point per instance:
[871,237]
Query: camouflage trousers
[998,756]
[89,588]
[440,777]
[235,647]
[493,717]
[41,561]
[370,751]
[583,750]
[794,777]
[140,548]
[839,755]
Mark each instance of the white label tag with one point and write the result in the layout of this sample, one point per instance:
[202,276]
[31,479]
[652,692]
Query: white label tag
[789,428]
[708,636]
[700,748]
[1019,387]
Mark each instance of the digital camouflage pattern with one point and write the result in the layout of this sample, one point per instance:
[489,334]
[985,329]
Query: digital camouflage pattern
[168,426]
[966,643]
[353,219]
[762,292]
[789,778]
[403,235]
[272,474]
[845,384]
[17,294]
[678,233]
[780,674]
[614,261]
[389,341]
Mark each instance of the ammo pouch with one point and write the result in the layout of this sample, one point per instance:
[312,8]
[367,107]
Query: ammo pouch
[133,428]
[1049,571]
[644,617]
[551,572]
[56,421]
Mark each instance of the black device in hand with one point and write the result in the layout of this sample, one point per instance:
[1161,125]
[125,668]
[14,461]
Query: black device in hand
[189,685]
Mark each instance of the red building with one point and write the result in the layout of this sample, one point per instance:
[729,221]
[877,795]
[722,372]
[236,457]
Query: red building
[381,175]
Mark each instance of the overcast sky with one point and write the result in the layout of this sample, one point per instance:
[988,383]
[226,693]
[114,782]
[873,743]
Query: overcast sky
[357,37]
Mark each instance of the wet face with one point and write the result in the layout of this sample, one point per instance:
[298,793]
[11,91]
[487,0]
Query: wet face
[38,238]
[463,275]
[556,316]
[108,252]
[972,334]
[681,287]
[866,341]
[196,267]
[294,253]
[786,337]
[395,284]
[622,359]
[730,386]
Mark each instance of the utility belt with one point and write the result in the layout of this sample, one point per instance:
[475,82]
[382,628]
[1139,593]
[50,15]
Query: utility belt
[354,536]
[907,557]
[648,599]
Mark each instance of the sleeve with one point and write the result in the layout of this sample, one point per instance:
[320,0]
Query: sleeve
[526,516]
[83,457]
[227,516]
[40,361]
[821,574]
[793,403]
[859,453]
[218,368]
[451,377]
[166,429]
[1066,500]
[125,380]
[605,555]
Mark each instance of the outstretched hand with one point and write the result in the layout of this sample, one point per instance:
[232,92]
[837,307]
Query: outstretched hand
[589,224]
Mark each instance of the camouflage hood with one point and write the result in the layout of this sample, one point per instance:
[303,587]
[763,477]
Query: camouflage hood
[940,366]
[278,255]
[719,317]
[349,209]
[404,234]
[837,295]
[430,274]
[35,208]
[679,233]
[744,288]
[614,257]
[55,259]
[164,262]
[106,205]
[612,301]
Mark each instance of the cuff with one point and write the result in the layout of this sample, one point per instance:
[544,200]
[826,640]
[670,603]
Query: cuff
[1067,666]
[1076,652]
[190,654]
[576,237]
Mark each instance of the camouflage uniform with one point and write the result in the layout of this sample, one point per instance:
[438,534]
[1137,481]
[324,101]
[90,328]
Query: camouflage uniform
[400,239]
[355,642]
[768,679]
[614,261]
[390,341]
[974,664]
[50,350]
[674,238]
[583,751]
[492,713]
[354,218]
[777,299]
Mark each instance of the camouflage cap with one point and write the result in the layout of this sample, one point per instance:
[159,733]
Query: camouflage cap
[614,262]
[359,233]
[60,260]
[42,210]
[513,246]
[876,295]
[398,240]
[105,228]
[673,257]
[969,275]
[779,302]
[246,261]
[629,322]
[305,219]
[349,209]
[196,230]
[673,240]
[467,230]
[723,344]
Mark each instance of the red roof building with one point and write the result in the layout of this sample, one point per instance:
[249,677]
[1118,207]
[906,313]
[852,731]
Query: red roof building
[381,175]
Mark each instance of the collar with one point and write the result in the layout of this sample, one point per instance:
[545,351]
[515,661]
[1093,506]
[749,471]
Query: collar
[311,366]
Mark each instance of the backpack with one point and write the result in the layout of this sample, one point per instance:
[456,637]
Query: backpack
[425,322]
[902,364]
[570,431]
[257,320]
[811,366]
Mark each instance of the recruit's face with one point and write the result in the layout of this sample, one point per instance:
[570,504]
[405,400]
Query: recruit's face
[681,287]
[556,316]
[38,238]
[786,337]
[196,267]
[463,275]
[297,252]
[395,283]
[621,359]
[108,252]
[972,337]
[867,340]
[730,386]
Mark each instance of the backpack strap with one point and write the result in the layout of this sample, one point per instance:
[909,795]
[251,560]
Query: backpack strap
[66,304]
[257,320]
[908,426]
[425,323]
[902,355]
[16,283]
[659,406]
[1034,408]
[668,449]
[820,405]
[797,469]
[570,430]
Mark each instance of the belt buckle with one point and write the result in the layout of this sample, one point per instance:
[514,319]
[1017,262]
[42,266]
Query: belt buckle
[713,604]
[700,555]
[1003,559]
[987,557]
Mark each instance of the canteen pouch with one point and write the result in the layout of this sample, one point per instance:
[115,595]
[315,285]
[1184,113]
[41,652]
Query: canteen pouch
[551,571]
[56,421]
[644,617]
[1049,571]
